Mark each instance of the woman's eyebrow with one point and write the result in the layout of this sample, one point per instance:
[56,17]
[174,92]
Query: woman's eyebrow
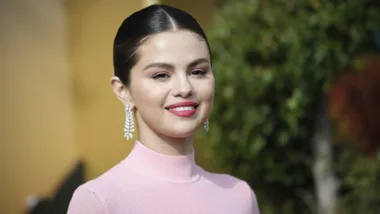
[160,65]
[171,67]
[197,62]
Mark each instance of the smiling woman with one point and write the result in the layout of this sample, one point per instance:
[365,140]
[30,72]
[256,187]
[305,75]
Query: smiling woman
[163,75]
[172,68]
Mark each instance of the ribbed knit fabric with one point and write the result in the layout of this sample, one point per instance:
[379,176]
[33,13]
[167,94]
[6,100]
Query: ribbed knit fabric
[147,182]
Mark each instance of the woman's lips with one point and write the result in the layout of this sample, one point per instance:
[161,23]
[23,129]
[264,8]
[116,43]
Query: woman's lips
[183,109]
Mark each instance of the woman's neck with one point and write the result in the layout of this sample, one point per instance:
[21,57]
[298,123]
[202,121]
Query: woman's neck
[165,145]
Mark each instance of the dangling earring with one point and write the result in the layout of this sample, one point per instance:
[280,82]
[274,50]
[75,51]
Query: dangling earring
[206,125]
[129,126]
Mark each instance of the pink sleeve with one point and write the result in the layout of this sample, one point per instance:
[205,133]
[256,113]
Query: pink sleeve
[86,201]
[255,206]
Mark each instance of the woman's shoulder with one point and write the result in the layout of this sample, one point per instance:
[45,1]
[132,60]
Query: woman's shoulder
[108,179]
[224,179]
[93,195]
[87,199]
[227,181]
[237,187]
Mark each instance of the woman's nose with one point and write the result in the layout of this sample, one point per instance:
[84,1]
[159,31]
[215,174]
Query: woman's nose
[183,87]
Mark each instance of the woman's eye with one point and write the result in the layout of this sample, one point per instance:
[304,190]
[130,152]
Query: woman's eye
[160,76]
[198,72]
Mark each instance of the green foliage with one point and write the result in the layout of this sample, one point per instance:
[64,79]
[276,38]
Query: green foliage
[272,61]
[361,182]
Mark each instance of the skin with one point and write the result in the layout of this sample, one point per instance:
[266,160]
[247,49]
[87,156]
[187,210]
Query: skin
[173,66]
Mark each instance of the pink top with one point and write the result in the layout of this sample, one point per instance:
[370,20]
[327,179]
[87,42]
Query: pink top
[147,182]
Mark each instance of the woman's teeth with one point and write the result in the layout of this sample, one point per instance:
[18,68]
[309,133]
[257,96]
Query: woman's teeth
[183,108]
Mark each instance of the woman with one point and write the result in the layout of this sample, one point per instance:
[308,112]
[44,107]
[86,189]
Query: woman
[163,75]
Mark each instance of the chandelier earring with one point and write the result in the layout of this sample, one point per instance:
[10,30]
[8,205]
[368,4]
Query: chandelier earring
[206,126]
[129,126]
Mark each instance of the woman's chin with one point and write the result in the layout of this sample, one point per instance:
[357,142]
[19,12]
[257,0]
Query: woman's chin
[180,134]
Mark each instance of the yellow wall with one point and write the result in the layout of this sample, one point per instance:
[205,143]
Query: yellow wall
[99,115]
[36,111]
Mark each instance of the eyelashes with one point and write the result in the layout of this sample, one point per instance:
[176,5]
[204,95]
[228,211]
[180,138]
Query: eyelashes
[160,76]
[196,72]
[199,72]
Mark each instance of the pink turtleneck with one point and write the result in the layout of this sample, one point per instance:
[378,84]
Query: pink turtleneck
[147,182]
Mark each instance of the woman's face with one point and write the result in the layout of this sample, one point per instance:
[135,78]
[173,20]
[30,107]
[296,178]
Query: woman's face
[172,84]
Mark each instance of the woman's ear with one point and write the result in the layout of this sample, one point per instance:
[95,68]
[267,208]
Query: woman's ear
[122,92]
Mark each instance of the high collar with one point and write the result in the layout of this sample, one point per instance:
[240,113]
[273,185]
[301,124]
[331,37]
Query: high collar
[176,169]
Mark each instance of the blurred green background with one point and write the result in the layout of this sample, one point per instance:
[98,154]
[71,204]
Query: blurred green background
[297,106]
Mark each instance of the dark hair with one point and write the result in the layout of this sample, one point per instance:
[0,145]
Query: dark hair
[150,20]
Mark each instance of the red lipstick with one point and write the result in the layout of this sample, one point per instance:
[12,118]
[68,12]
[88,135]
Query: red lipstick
[183,109]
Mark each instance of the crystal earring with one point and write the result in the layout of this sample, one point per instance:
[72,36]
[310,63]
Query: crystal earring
[129,126]
[206,125]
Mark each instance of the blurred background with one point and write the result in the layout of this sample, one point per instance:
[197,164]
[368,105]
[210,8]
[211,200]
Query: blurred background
[296,112]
